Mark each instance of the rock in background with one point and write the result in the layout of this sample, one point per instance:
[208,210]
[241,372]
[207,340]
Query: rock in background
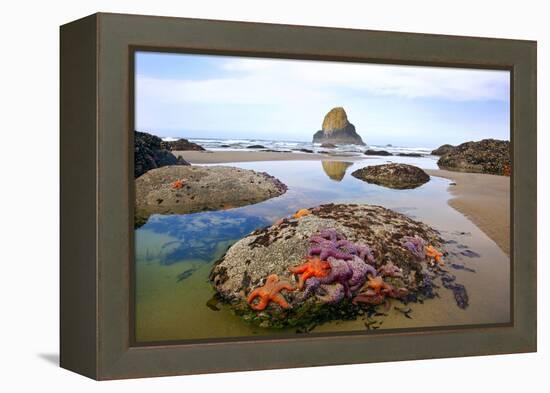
[149,154]
[490,156]
[337,129]
[399,176]
[181,145]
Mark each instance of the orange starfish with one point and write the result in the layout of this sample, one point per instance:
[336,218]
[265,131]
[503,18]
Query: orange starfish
[314,267]
[432,252]
[301,213]
[178,184]
[378,285]
[270,293]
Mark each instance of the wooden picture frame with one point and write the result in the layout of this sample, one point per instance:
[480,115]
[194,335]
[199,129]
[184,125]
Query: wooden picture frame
[97,197]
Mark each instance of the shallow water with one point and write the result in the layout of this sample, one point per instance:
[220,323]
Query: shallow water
[174,254]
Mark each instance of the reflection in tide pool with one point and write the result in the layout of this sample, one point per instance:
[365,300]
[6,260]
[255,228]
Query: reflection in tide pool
[174,254]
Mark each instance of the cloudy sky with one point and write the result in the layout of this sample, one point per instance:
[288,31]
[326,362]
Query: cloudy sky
[236,97]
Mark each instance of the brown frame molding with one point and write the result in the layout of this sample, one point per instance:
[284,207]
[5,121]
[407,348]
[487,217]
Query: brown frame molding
[97,178]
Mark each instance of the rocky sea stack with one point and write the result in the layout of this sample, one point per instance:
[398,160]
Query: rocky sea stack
[399,176]
[327,262]
[490,156]
[337,129]
[190,189]
[149,154]
[181,145]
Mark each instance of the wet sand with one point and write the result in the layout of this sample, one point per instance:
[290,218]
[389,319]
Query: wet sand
[484,199]
[219,157]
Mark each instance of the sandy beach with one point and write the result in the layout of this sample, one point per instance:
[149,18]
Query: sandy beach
[484,199]
[219,157]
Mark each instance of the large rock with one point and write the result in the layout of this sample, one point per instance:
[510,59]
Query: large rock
[190,189]
[371,152]
[442,150]
[181,145]
[149,154]
[486,156]
[337,129]
[400,176]
[274,250]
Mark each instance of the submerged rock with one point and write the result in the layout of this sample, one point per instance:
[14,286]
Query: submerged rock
[358,242]
[377,153]
[337,129]
[442,150]
[149,154]
[181,145]
[410,155]
[486,156]
[327,145]
[189,189]
[336,170]
[400,176]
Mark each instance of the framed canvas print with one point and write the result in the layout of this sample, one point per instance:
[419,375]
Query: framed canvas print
[241,196]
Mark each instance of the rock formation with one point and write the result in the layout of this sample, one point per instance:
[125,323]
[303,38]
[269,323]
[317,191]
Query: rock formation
[337,129]
[367,259]
[149,154]
[181,145]
[371,152]
[190,189]
[486,156]
[399,176]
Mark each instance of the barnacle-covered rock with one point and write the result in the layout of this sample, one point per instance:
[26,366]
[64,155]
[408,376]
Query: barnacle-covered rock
[365,241]
[400,176]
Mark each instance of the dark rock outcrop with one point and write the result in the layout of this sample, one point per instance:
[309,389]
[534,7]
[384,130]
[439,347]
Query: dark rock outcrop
[377,153]
[181,145]
[148,154]
[442,150]
[399,176]
[337,129]
[190,189]
[490,156]
[410,155]
[328,145]
[255,147]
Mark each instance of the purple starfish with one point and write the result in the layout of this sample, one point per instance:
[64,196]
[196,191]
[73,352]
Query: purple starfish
[363,252]
[327,248]
[416,245]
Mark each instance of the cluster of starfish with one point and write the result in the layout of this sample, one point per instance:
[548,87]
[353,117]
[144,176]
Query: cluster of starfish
[421,250]
[335,267]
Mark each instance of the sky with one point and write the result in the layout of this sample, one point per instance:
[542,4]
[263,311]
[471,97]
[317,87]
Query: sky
[212,96]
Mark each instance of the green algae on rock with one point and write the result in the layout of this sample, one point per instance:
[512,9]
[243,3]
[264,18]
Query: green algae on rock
[399,176]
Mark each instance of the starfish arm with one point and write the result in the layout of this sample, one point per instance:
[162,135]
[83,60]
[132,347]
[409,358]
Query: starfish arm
[284,285]
[298,269]
[262,304]
[280,300]
[254,294]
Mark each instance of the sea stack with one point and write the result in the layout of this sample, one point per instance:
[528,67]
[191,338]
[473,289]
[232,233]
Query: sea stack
[337,129]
